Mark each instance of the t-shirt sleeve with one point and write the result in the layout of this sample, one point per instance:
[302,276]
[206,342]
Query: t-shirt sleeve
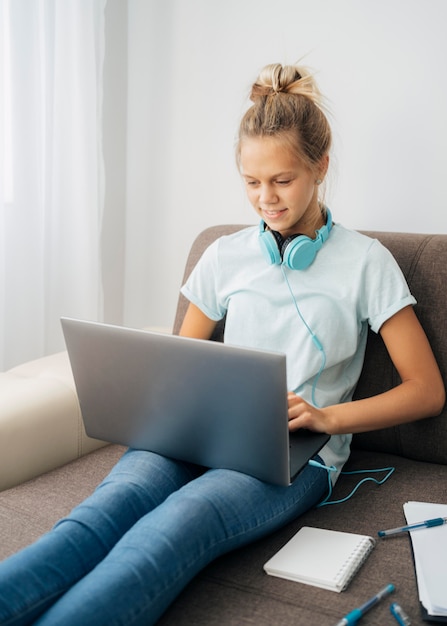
[202,286]
[384,290]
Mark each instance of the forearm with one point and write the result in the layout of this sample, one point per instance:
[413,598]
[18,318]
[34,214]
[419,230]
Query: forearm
[421,393]
[407,402]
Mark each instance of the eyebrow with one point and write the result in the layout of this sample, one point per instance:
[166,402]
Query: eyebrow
[278,175]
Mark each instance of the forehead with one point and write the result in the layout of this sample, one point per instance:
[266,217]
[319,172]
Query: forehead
[263,155]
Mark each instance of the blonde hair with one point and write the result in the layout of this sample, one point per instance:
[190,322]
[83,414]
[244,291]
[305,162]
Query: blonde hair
[287,103]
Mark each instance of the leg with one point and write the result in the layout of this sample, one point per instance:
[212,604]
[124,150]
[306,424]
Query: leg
[35,577]
[219,511]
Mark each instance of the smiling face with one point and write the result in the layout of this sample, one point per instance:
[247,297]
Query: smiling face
[281,189]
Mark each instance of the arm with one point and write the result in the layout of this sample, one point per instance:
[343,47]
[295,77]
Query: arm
[196,324]
[421,393]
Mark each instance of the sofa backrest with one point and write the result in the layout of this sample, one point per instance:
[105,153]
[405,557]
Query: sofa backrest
[423,260]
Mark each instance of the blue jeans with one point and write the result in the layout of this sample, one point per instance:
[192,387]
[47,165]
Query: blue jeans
[125,553]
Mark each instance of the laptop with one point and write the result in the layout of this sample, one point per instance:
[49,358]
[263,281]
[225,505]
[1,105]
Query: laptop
[209,403]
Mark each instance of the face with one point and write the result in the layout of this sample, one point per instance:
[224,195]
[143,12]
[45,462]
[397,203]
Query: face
[281,189]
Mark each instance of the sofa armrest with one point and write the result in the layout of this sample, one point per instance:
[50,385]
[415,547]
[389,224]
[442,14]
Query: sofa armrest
[41,426]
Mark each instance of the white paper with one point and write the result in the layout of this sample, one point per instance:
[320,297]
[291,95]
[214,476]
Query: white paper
[430,555]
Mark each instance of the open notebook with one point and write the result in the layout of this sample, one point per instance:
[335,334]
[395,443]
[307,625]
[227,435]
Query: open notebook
[322,558]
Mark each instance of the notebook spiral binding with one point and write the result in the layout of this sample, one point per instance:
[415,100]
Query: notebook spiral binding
[352,565]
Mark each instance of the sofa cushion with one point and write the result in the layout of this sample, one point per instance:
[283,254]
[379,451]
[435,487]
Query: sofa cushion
[30,509]
[40,420]
[422,259]
[234,589]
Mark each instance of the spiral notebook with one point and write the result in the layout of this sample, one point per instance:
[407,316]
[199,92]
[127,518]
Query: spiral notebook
[323,558]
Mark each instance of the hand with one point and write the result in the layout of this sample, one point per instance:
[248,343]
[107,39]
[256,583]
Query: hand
[304,415]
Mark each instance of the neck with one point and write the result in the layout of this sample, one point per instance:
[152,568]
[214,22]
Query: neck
[312,221]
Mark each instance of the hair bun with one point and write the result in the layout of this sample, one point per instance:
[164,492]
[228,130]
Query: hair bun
[291,79]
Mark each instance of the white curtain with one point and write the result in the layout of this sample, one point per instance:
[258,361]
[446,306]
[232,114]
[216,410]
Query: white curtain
[51,171]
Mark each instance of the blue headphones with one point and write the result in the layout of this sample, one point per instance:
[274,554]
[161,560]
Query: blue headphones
[296,252]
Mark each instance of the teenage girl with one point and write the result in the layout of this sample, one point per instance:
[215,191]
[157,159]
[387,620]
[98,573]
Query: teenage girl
[299,283]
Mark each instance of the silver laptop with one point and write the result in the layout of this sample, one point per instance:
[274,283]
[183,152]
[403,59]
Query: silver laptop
[205,402]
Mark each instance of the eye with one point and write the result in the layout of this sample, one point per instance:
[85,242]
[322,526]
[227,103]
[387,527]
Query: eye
[283,182]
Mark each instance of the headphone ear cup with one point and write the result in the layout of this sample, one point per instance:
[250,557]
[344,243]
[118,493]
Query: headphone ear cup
[299,252]
[269,247]
[296,252]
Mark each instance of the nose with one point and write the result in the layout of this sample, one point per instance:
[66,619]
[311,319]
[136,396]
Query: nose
[267,195]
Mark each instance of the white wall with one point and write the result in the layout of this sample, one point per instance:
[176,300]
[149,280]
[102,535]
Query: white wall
[381,63]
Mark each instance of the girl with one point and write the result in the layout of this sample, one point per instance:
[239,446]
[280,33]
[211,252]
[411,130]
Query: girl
[297,283]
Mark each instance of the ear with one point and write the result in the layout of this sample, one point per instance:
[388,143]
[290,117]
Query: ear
[323,166]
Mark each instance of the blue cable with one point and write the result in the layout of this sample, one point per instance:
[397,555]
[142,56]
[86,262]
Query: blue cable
[330,469]
[314,338]
[325,502]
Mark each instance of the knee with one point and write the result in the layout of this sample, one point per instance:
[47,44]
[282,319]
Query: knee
[146,478]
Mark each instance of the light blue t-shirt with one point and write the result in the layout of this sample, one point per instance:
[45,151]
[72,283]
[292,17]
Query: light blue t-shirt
[354,281]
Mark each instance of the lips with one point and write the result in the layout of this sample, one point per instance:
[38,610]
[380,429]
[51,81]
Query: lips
[274,214]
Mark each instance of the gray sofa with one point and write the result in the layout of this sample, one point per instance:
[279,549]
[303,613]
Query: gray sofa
[234,590]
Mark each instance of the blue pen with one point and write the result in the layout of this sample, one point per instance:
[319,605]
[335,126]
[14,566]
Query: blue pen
[354,616]
[429,523]
[399,614]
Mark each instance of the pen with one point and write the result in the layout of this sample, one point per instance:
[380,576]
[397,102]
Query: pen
[429,523]
[399,614]
[354,616]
